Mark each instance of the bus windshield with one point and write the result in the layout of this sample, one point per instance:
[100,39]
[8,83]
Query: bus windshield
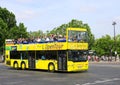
[78,36]
[77,56]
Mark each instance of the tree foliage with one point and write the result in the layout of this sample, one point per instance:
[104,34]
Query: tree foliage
[35,34]
[19,31]
[9,28]
[106,45]
[8,18]
[118,44]
[103,45]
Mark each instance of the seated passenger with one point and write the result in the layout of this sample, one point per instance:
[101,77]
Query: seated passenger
[43,57]
[55,38]
[75,38]
[51,37]
[79,38]
[70,38]
[42,39]
[47,39]
[38,39]
[61,38]
[25,41]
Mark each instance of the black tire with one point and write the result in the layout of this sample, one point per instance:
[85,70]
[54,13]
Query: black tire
[23,66]
[51,67]
[15,65]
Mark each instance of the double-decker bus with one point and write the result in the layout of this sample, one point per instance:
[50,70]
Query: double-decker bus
[69,54]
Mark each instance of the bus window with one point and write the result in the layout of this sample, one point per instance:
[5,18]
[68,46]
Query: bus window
[52,55]
[77,36]
[38,54]
[77,56]
[14,55]
[24,54]
[46,55]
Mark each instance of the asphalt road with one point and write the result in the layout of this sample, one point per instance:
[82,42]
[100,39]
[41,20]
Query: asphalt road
[98,74]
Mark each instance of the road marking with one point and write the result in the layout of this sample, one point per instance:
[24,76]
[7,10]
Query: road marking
[100,82]
[13,83]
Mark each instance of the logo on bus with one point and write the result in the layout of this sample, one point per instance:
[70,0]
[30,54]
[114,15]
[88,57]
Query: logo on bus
[54,47]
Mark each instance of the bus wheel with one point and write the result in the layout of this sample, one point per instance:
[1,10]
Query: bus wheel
[51,67]
[15,65]
[23,66]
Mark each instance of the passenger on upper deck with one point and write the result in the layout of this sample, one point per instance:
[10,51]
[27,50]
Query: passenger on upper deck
[38,39]
[51,37]
[70,38]
[79,37]
[47,38]
[55,38]
[43,39]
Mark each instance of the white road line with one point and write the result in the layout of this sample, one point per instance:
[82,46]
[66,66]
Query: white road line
[100,82]
[13,83]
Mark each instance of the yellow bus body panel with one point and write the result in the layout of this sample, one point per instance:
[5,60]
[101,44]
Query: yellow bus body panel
[78,46]
[44,46]
[77,66]
[43,64]
[77,29]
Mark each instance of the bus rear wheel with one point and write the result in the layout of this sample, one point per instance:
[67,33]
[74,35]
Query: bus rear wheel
[15,65]
[51,67]
[23,66]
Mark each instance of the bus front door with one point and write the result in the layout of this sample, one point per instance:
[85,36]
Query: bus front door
[62,61]
[31,60]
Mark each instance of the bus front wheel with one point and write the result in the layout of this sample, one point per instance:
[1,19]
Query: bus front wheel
[51,67]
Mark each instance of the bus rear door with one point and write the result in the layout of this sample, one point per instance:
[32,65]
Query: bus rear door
[31,60]
[62,61]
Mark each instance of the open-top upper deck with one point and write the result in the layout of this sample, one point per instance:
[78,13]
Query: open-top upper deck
[76,39]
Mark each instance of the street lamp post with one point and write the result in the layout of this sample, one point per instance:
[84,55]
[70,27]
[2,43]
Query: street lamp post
[114,23]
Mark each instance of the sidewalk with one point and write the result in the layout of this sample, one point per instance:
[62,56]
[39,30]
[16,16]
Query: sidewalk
[107,62]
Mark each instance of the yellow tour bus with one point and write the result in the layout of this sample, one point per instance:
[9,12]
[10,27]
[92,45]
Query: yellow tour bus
[67,54]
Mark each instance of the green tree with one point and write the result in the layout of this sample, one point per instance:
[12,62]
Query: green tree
[3,34]
[118,44]
[7,21]
[8,18]
[36,33]
[103,46]
[9,28]
[18,32]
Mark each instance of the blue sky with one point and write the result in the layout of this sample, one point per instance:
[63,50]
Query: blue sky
[46,14]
